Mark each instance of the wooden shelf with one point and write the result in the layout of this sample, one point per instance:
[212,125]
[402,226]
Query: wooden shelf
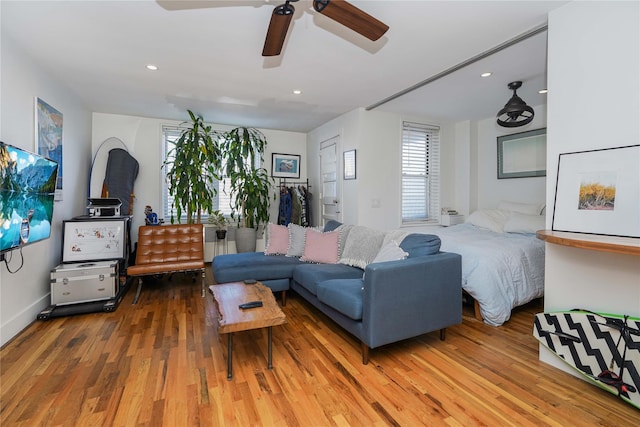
[619,245]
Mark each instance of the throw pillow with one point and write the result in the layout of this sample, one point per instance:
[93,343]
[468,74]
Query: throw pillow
[344,233]
[523,208]
[397,235]
[277,239]
[525,224]
[321,247]
[362,246]
[490,219]
[296,240]
[390,252]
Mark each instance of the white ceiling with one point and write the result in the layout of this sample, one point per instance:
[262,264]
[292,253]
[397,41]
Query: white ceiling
[209,58]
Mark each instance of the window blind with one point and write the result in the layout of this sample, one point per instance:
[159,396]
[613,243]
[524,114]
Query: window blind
[420,173]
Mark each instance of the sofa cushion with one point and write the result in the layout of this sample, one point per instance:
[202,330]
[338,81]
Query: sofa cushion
[331,225]
[362,246]
[343,295]
[321,247]
[277,239]
[417,244]
[252,265]
[277,285]
[309,275]
[297,235]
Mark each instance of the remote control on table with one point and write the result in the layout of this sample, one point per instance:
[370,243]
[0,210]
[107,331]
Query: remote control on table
[251,304]
[249,282]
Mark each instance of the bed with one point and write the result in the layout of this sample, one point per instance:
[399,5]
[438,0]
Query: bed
[502,260]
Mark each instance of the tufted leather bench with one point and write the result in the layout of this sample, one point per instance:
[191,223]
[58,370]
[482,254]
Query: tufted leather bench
[168,249]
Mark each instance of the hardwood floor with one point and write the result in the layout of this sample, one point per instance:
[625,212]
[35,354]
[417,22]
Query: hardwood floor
[161,362]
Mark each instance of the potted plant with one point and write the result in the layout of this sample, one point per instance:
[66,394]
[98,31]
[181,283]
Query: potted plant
[192,166]
[217,219]
[249,184]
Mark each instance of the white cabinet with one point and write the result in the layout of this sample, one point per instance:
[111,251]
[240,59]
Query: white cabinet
[447,220]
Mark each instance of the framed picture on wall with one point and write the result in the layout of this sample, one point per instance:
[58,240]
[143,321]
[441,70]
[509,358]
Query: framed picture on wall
[285,165]
[598,192]
[349,164]
[48,137]
[523,155]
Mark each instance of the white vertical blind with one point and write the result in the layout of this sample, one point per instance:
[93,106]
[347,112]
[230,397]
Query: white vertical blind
[420,173]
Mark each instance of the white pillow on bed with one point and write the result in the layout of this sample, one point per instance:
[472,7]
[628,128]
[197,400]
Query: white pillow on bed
[489,219]
[525,224]
[523,208]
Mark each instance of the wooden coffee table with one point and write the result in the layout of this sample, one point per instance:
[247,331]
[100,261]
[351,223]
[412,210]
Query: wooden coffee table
[231,318]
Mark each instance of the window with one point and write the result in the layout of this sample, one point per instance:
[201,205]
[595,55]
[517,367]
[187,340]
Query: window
[420,173]
[222,201]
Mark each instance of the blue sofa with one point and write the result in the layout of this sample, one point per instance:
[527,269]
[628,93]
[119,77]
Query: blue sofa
[384,303]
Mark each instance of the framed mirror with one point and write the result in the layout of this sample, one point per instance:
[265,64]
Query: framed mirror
[523,155]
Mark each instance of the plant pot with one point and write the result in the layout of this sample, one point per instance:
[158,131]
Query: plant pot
[246,239]
[221,234]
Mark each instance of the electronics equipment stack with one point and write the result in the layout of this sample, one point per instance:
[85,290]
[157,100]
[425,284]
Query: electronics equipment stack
[94,258]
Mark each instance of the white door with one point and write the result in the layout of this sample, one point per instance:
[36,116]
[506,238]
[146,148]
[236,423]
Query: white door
[329,180]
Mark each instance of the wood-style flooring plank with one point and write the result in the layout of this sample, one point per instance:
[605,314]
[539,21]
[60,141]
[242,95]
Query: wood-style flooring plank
[161,362]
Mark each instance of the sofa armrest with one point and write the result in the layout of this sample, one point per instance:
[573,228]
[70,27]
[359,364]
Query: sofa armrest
[407,298]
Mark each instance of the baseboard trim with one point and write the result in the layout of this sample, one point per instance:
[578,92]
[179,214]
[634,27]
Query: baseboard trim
[12,327]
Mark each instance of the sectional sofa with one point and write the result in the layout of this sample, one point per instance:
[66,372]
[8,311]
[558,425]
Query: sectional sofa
[382,287]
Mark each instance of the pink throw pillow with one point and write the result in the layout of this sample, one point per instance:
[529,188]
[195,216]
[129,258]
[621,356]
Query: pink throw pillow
[321,247]
[277,240]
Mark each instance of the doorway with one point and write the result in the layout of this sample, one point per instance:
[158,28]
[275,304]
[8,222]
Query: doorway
[330,184]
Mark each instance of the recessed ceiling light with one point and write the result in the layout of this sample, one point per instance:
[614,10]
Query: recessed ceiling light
[152,67]
[297,92]
[543,91]
[487,74]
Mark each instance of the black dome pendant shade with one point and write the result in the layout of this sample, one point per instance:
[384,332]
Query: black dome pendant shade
[516,112]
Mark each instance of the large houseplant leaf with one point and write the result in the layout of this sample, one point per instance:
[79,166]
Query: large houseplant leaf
[243,150]
[192,167]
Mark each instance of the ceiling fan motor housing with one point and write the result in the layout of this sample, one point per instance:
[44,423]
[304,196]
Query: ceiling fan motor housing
[516,112]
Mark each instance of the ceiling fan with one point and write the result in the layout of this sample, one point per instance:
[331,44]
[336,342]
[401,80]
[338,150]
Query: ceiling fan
[338,10]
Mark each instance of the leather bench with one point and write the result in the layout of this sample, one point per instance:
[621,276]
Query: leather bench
[168,249]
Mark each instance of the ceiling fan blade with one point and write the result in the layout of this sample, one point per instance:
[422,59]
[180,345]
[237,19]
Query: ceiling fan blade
[278,27]
[351,17]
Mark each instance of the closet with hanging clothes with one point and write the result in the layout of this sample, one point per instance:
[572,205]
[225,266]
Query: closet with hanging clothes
[295,203]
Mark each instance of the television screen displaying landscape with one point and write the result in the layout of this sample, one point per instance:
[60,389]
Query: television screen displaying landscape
[27,189]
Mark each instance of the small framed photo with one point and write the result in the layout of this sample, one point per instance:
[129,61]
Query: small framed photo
[349,164]
[285,165]
[598,192]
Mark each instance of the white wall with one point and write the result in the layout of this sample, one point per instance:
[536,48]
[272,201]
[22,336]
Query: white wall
[490,189]
[143,138]
[594,102]
[347,127]
[24,294]
[376,136]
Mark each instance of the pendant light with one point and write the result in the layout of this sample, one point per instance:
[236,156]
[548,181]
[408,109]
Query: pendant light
[516,112]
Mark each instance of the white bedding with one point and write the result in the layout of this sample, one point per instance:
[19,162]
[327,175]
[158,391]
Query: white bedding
[500,270]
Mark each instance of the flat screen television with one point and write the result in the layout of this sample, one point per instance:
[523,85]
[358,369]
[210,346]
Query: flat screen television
[27,191]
